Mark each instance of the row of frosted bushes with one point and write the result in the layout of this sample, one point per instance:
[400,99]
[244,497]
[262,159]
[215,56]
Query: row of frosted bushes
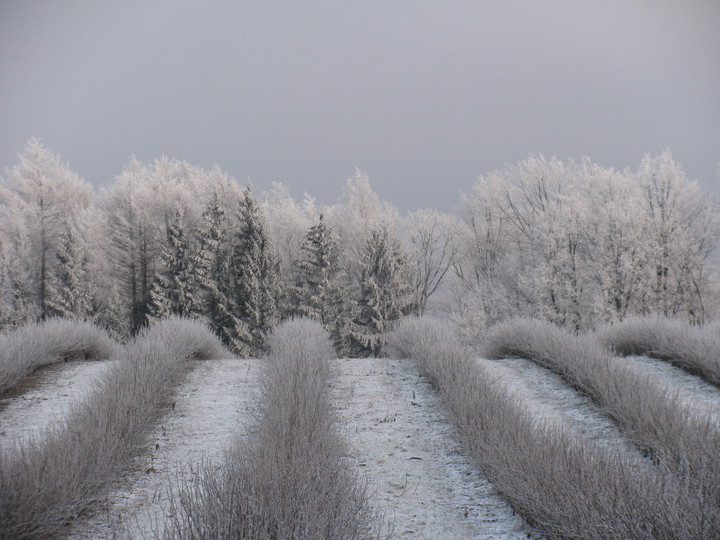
[49,342]
[650,413]
[693,348]
[49,480]
[563,482]
[293,478]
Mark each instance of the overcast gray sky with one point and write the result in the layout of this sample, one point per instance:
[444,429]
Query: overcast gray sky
[422,95]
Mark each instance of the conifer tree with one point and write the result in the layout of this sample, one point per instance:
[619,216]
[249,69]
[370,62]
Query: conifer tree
[385,294]
[214,275]
[255,277]
[18,297]
[48,196]
[110,316]
[70,292]
[175,289]
[322,291]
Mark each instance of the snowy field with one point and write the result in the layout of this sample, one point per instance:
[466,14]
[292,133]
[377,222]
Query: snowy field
[552,399]
[420,478]
[211,408]
[399,437]
[45,397]
[695,392]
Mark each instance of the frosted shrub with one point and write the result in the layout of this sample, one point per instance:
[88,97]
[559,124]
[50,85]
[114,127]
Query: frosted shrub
[50,480]
[681,440]
[414,335]
[303,341]
[558,478]
[695,349]
[48,342]
[181,338]
[292,480]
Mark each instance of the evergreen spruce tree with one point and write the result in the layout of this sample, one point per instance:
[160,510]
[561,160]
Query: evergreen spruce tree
[385,294]
[18,304]
[111,316]
[70,292]
[322,289]
[214,275]
[255,274]
[175,289]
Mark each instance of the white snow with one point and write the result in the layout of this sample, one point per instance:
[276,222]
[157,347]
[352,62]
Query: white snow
[693,391]
[555,400]
[212,408]
[421,478]
[51,392]
[399,438]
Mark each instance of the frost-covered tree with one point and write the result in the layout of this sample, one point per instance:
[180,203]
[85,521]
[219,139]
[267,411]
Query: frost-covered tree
[431,246]
[138,209]
[681,232]
[542,247]
[385,293]
[133,242]
[613,228]
[18,301]
[580,244]
[176,290]
[353,219]
[322,288]
[111,315]
[287,221]
[255,277]
[215,275]
[545,223]
[45,194]
[71,291]
[484,278]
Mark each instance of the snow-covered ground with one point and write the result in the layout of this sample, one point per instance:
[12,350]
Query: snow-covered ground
[398,437]
[697,393]
[418,473]
[212,407]
[552,399]
[50,393]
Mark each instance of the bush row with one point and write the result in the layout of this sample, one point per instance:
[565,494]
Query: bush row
[48,342]
[292,480]
[48,481]
[695,349]
[650,413]
[560,480]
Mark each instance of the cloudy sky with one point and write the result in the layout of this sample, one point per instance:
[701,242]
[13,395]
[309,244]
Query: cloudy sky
[422,95]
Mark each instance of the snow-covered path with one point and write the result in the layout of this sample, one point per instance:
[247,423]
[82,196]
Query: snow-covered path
[212,407]
[552,399]
[50,393]
[697,393]
[418,472]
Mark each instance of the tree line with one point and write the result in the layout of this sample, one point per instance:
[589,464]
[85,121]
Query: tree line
[574,243]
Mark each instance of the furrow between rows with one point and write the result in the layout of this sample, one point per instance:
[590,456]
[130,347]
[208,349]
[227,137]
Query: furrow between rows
[551,398]
[420,476]
[212,408]
[695,393]
[46,397]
